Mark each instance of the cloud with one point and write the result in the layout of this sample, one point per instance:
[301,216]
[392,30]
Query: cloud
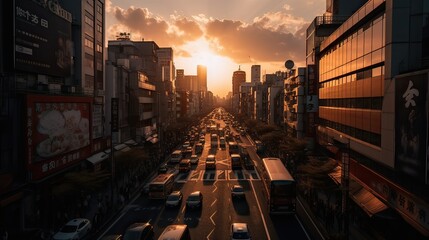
[240,41]
[275,36]
[143,24]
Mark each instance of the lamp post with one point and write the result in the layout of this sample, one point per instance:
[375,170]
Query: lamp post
[344,145]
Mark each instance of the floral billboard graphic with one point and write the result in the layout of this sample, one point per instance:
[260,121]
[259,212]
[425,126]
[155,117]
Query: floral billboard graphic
[58,132]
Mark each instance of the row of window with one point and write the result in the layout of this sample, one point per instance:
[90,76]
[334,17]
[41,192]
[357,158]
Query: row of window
[369,137]
[362,48]
[363,74]
[362,103]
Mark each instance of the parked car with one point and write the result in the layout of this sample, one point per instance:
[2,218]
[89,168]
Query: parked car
[139,231]
[163,169]
[240,231]
[195,200]
[174,199]
[74,229]
[237,191]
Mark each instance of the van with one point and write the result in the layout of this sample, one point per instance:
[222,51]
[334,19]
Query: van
[185,165]
[175,232]
[176,156]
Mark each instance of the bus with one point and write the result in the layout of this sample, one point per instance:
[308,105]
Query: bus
[161,186]
[280,187]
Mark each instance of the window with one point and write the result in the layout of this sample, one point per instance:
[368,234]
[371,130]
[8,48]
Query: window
[89,43]
[89,21]
[99,48]
[99,28]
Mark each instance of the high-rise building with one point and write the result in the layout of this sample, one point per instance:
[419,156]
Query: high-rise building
[255,74]
[202,78]
[238,77]
[373,77]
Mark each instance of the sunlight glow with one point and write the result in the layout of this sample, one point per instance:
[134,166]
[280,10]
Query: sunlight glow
[219,68]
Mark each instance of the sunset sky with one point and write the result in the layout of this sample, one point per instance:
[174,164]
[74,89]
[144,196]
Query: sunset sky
[220,34]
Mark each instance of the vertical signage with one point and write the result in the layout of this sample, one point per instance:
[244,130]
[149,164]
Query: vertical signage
[115,115]
[411,126]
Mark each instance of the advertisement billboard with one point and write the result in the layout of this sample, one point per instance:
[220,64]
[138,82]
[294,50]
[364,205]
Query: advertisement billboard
[411,126]
[58,133]
[42,38]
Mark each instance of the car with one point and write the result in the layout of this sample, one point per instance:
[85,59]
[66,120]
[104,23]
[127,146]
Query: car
[175,231]
[74,229]
[211,162]
[186,144]
[237,191]
[187,152]
[194,159]
[184,165]
[139,231]
[199,147]
[240,231]
[195,200]
[174,199]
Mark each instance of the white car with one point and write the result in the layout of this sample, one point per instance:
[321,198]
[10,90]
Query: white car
[237,191]
[174,199]
[74,229]
[240,231]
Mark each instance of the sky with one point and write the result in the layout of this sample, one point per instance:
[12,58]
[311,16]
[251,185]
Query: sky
[223,35]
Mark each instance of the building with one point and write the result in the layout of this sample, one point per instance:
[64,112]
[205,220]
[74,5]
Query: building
[373,75]
[238,77]
[202,78]
[166,87]
[255,74]
[135,91]
[52,88]
[294,103]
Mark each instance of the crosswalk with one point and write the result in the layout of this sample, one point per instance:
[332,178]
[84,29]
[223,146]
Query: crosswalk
[217,175]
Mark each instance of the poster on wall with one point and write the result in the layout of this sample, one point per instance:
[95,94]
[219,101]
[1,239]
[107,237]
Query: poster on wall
[58,132]
[411,126]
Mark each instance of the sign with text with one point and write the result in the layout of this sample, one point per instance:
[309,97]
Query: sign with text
[115,115]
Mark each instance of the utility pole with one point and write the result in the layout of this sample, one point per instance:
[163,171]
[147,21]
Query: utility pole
[345,180]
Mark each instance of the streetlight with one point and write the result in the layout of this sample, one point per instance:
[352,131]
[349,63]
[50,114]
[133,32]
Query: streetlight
[344,145]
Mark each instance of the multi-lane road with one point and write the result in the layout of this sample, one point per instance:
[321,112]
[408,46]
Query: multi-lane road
[219,210]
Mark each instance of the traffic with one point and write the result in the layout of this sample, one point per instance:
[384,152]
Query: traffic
[214,186]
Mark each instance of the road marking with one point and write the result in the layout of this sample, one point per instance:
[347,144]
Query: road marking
[215,188]
[213,203]
[314,224]
[302,226]
[260,211]
[208,236]
[212,218]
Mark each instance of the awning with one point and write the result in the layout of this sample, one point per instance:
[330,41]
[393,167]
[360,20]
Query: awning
[335,175]
[368,202]
[98,157]
[122,147]
[131,142]
[154,140]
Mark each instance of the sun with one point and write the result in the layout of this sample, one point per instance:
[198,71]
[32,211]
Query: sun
[219,68]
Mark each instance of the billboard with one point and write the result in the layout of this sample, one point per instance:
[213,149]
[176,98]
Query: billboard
[42,38]
[58,133]
[411,126]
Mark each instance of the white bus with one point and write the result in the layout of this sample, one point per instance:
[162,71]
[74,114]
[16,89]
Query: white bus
[161,186]
[280,186]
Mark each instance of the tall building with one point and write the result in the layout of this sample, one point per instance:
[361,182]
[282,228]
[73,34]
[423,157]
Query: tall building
[373,77]
[238,77]
[180,84]
[166,87]
[51,99]
[255,74]
[202,78]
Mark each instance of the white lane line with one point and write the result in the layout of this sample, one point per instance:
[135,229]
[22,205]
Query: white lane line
[111,225]
[211,218]
[215,189]
[260,211]
[302,226]
[208,236]
[312,222]
[213,203]
[183,209]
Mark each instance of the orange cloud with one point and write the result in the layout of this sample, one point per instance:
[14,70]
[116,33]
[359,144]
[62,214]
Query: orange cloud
[240,41]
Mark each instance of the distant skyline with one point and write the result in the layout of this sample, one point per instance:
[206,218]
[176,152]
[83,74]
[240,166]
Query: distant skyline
[220,35]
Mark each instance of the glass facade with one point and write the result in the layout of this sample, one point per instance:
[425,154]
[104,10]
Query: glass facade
[351,82]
